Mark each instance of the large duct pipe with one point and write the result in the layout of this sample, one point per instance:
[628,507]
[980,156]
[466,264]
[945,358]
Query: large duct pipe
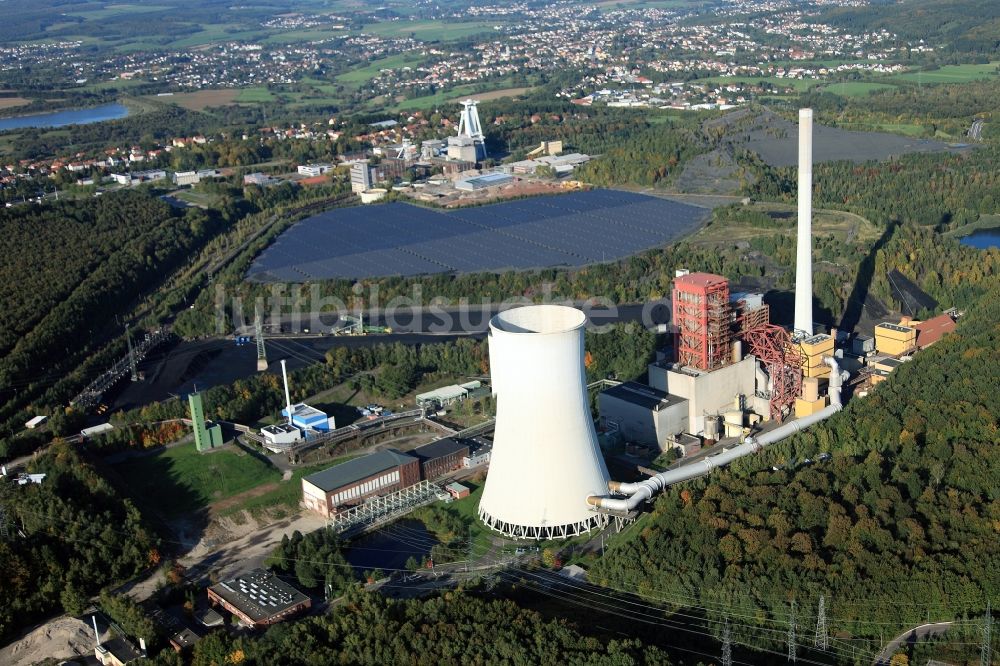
[288,399]
[803,256]
[644,490]
[545,458]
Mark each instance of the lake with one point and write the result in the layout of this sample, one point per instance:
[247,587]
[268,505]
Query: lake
[391,546]
[68,117]
[982,239]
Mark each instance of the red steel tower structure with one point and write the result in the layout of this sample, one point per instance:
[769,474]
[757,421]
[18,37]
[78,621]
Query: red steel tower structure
[703,319]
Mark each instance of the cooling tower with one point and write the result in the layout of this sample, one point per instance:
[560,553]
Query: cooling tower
[546,460]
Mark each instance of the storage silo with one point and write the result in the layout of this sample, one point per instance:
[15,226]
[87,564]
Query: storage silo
[546,460]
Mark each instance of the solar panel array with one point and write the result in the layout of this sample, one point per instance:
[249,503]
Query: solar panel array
[401,239]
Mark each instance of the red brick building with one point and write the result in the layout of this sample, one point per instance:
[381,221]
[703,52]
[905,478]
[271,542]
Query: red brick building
[352,482]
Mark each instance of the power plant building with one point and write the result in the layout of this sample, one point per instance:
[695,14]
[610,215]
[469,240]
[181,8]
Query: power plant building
[309,418]
[703,318]
[644,415]
[440,457]
[352,482]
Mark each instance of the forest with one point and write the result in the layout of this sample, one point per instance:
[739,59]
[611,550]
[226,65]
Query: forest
[899,524]
[80,267]
[455,628]
[64,539]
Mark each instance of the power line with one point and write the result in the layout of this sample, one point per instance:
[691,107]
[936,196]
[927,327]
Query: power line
[821,641]
[791,632]
[984,655]
[727,648]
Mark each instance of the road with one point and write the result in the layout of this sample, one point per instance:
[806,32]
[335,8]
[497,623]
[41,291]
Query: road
[921,633]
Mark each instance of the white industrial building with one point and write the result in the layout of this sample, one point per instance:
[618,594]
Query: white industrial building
[546,459]
[711,392]
[644,415]
[361,177]
[279,436]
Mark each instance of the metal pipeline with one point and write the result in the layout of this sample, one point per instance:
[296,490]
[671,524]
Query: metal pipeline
[644,490]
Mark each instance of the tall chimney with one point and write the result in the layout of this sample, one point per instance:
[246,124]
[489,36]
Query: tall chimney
[803,256]
[288,400]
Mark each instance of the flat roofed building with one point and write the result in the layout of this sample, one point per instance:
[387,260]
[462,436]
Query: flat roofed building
[307,417]
[440,457]
[258,598]
[354,481]
[280,434]
[643,414]
[483,182]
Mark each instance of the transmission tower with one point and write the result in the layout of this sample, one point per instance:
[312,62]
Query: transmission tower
[727,645]
[822,641]
[791,633]
[259,335]
[984,657]
[131,355]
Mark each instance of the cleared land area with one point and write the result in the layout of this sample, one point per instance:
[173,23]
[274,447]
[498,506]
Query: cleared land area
[496,94]
[196,101]
[12,102]
[775,139]
[842,225]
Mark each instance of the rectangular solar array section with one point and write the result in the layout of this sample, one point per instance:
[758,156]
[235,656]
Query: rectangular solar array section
[401,239]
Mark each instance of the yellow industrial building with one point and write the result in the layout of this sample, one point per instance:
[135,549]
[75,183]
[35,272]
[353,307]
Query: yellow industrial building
[813,349]
[895,340]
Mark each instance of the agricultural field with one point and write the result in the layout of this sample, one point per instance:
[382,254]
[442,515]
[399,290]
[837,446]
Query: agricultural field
[496,94]
[255,96]
[111,11]
[181,481]
[12,102]
[951,74]
[854,88]
[200,100]
[429,31]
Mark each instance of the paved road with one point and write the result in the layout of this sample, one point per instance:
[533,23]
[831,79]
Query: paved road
[921,633]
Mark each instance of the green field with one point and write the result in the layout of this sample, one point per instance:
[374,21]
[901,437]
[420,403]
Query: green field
[294,36]
[255,96]
[361,75]
[854,88]
[285,498]
[217,33]
[429,30]
[950,74]
[179,480]
[109,11]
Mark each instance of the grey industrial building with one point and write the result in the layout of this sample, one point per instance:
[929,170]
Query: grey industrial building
[643,414]
[258,598]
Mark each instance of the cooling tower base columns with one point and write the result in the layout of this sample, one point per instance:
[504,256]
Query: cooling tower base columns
[544,533]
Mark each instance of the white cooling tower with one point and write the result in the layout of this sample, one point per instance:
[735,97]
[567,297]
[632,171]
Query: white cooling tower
[546,460]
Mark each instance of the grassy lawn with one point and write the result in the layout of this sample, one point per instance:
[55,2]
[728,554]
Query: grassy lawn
[285,498]
[217,33]
[854,88]
[185,481]
[950,74]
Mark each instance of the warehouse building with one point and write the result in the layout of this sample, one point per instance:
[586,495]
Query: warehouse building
[258,598]
[487,180]
[441,457]
[644,415]
[352,482]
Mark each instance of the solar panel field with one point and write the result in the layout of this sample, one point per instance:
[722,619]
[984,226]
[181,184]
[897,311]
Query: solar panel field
[401,239]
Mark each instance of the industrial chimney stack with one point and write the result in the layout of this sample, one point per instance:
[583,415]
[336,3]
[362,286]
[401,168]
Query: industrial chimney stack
[803,257]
